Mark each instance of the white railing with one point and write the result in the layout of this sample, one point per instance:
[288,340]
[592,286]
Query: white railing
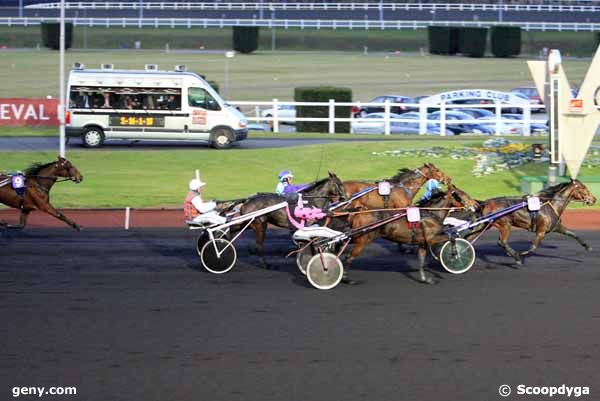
[424,124]
[273,6]
[294,23]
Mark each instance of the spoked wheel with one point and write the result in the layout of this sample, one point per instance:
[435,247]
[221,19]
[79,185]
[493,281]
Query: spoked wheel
[304,256]
[324,271]
[459,257]
[204,238]
[218,262]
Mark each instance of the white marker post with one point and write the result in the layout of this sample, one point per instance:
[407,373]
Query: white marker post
[61,100]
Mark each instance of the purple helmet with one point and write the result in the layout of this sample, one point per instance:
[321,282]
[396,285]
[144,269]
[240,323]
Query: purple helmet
[285,174]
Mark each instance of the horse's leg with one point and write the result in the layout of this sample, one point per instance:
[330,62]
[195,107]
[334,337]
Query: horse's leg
[357,249]
[260,228]
[48,208]
[22,220]
[422,253]
[504,230]
[539,236]
[565,231]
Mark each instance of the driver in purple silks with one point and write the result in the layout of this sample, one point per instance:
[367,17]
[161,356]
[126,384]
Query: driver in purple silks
[285,186]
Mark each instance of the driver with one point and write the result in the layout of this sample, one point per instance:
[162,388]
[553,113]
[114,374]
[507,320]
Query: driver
[198,211]
[284,186]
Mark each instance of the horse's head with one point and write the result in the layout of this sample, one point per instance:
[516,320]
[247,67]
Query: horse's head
[581,193]
[459,198]
[430,170]
[64,168]
[334,188]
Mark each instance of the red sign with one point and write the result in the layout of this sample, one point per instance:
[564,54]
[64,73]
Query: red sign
[29,112]
[576,106]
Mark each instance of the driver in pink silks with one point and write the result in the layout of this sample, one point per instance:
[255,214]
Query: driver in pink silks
[198,211]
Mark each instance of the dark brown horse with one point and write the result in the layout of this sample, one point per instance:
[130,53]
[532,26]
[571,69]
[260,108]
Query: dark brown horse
[429,232]
[318,194]
[405,185]
[39,179]
[554,201]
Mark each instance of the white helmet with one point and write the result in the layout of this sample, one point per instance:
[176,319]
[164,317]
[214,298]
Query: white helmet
[196,184]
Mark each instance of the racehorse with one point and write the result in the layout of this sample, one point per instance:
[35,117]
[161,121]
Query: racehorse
[554,200]
[404,187]
[318,194]
[428,233]
[39,180]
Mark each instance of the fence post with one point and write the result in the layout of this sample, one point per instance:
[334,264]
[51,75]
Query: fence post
[423,123]
[443,119]
[331,116]
[498,117]
[275,115]
[386,117]
[527,120]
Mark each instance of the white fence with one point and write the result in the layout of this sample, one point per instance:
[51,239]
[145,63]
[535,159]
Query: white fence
[272,6]
[424,124]
[294,23]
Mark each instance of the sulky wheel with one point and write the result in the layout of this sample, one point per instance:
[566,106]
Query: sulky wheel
[221,262]
[324,271]
[203,238]
[304,256]
[459,257]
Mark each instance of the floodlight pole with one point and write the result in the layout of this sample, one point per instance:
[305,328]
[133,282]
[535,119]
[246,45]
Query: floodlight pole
[553,64]
[61,101]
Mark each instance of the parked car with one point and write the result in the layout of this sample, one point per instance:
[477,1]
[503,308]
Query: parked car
[366,109]
[283,111]
[373,124]
[453,122]
[488,104]
[531,93]
[506,125]
[535,126]
[476,113]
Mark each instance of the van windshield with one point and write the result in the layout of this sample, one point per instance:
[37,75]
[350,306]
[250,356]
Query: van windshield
[199,97]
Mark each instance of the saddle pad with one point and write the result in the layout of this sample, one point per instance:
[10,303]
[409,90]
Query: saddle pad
[308,233]
[533,204]
[384,188]
[413,214]
[18,181]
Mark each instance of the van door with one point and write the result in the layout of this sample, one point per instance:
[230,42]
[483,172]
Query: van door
[205,113]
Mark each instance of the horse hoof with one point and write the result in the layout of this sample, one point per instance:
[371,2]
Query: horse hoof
[588,248]
[518,263]
[349,281]
[429,281]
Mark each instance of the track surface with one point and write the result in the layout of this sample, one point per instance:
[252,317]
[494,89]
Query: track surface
[130,316]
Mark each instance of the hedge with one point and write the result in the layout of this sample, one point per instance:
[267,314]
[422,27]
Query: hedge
[472,41]
[245,39]
[442,39]
[322,94]
[505,41]
[51,34]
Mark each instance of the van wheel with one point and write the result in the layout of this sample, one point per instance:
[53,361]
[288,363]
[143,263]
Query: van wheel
[93,137]
[222,138]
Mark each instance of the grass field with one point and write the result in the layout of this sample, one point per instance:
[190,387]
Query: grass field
[266,75]
[570,43]
[159,177]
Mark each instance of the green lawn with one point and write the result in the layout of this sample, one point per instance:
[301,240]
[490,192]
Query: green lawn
[266,75]
[159,177]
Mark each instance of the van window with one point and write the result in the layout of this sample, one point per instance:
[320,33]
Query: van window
[131,98]
[198,97]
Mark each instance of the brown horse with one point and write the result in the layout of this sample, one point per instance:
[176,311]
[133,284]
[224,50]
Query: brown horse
[319,194]
[429,232]
[39,179]
[554,201]
[405,185]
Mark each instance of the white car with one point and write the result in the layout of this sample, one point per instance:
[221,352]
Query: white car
[283,112]
[507,126]
[373,124]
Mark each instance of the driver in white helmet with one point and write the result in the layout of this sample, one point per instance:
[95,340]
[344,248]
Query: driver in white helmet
[198,211]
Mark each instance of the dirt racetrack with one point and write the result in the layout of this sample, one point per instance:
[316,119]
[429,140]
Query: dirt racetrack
[130,315]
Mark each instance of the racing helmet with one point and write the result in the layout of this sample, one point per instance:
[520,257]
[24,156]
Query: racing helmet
[196,184]
[285,174]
